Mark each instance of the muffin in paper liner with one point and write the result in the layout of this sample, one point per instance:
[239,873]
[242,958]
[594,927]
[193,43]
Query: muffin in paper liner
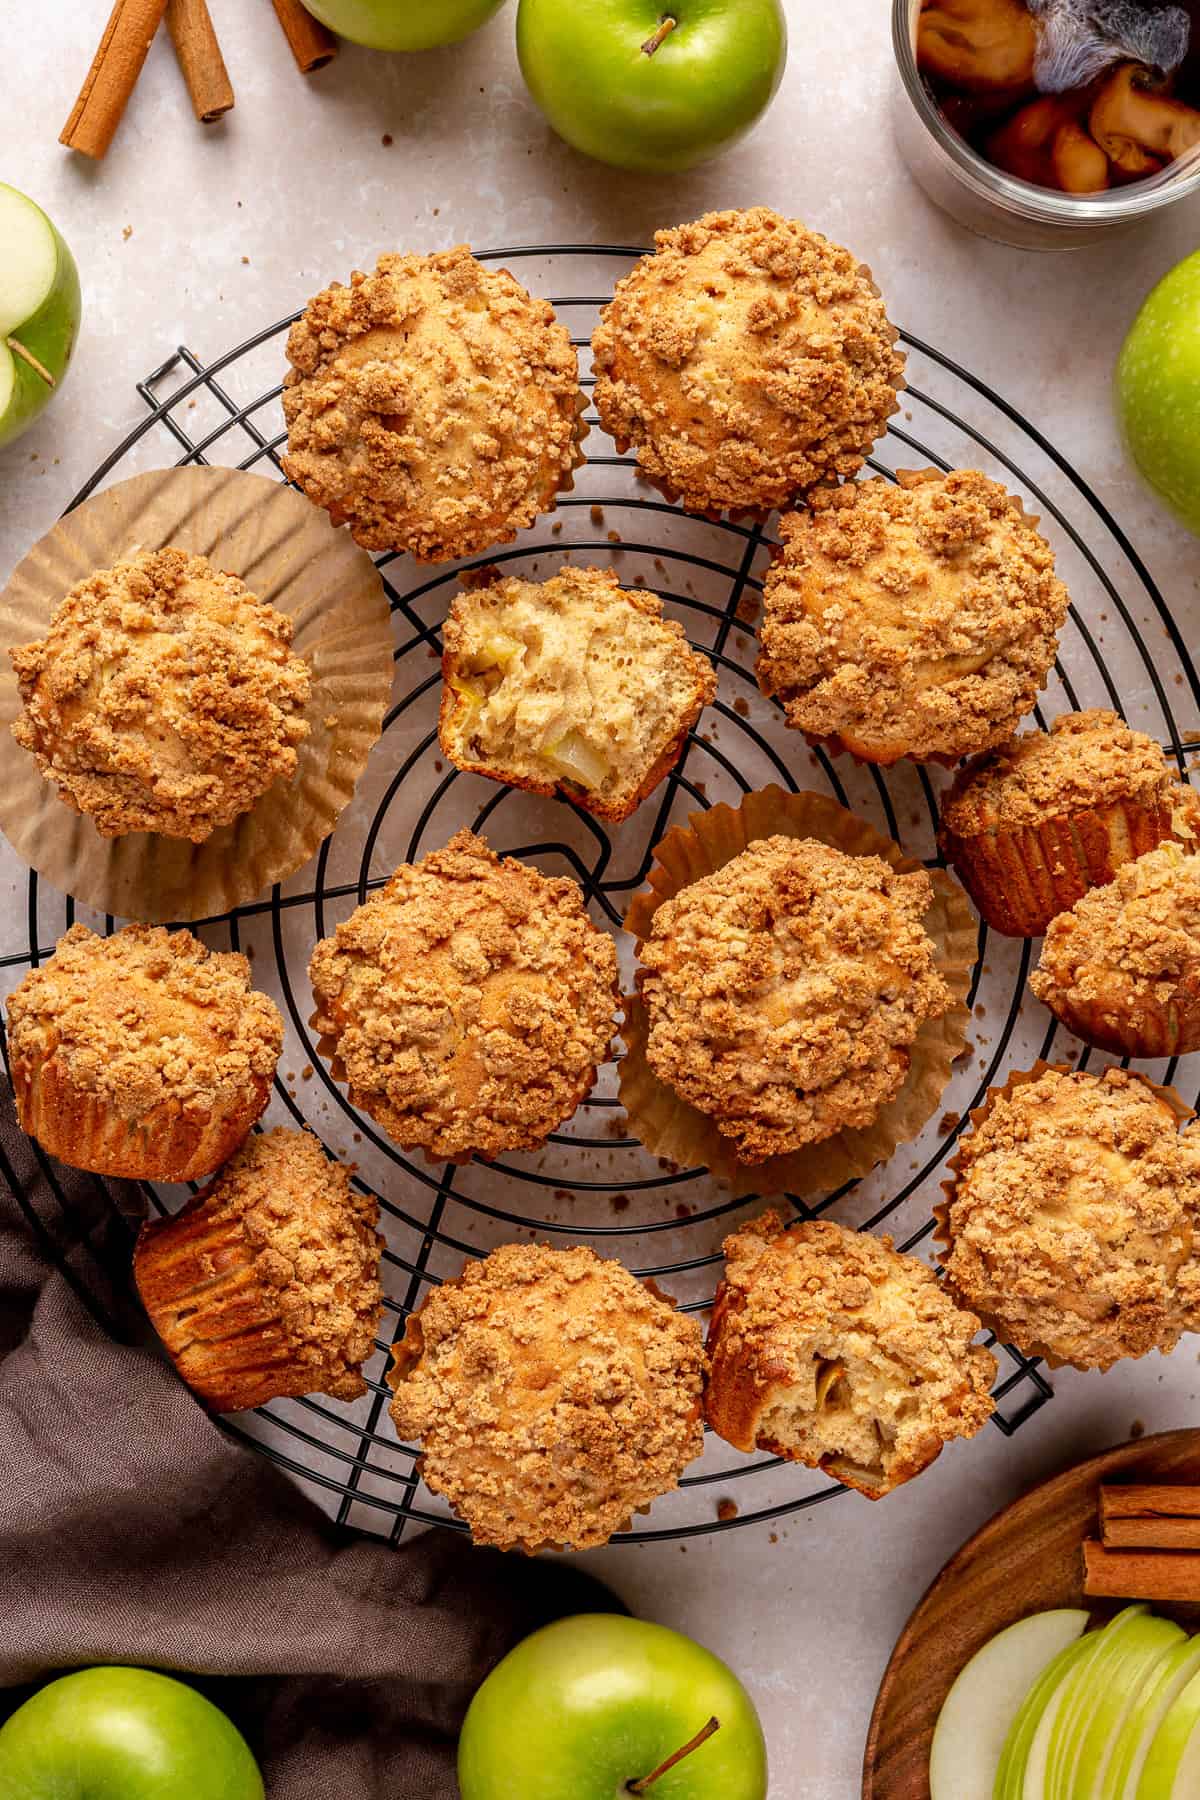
[943,1238]
[668,1126]
[287,553]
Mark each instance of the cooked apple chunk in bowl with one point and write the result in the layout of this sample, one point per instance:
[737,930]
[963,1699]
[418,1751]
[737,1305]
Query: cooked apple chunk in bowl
[573,685]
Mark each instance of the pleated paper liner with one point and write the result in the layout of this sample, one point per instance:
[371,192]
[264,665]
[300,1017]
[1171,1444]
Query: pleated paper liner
[668,1126]
[287,552]
[942,1235]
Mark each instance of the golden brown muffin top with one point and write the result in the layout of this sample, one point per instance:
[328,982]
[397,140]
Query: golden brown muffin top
[468,1002]
[859,1359]
[1131,944]
[145,1018]
[164,697]
[916,618]
[1086,759]
[553,1394]
[1072,1223]
[572,681]
[783,991]
[314,1246]
[746,359]
[433,405]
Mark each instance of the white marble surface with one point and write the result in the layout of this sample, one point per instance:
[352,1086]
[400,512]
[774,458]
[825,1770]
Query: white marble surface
[200,236]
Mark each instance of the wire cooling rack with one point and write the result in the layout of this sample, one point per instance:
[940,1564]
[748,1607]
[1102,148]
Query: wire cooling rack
[591,1183]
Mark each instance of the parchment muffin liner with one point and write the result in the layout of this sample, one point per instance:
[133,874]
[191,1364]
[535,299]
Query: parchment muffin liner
[943,1236]
[287,552]
[680,1133]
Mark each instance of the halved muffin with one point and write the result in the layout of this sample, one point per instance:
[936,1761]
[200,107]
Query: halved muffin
[571,685]
[266,1284]
[910,619]
[553,1394]
[830,1348]
[1033,824]
[432,405]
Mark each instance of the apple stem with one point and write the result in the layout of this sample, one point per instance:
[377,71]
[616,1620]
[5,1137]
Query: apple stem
[18,349]
[666,26]
[701,1737]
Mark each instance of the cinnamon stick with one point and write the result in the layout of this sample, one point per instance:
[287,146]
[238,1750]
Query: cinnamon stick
[1160,1499]
[200,58]
[312,46]
[1162,1575]
[112,76]
[1151,1534]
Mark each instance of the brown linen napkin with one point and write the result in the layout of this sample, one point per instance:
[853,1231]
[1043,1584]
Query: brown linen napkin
[133,1530]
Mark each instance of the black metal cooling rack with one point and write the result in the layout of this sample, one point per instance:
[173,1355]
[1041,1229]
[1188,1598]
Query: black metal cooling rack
[1122,647]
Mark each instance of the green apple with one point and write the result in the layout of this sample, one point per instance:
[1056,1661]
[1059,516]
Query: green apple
[1033,1724]
[648,85]
[39,311]
[1172,1767]
[123,1734]
[1082,1687]
[592,1707]
[1115,1699]
[979,1710]
[1129,1755]
[1158,390]
[403,24]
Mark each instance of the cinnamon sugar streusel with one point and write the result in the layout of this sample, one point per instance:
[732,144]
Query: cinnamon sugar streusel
[267,1283]
[164,697]
[1072,1224]
[830,1348]
[432,405]
[468,1003]
[746,360]
[144,1054]
[784,991]
[1121,968]
[911,619]
[553,1395]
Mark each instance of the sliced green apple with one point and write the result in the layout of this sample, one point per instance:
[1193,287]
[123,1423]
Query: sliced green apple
[1129,1755]
[39,311]
[987,1694]
[1014,1758]
[1079,1698]
[1172,1767]
[1115,1697]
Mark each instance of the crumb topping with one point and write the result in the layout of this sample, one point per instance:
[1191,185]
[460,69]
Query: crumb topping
[164,697]
[746,359]
[432,405]
[1072,1222]
[313,1244]
[783,991]
[570,683]
[469,1002]
[831,1348]
[147,1017]
[553,1395]
[1130,946]
[911,619]
[1086,759]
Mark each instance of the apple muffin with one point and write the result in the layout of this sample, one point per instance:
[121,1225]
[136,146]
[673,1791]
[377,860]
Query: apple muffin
[468,1003]
[165,697]
[746,360]
[1121,968]
[571,685]
[910,619]
[1032,825]
[144,1054]
[433,406]
[553,1395]
[1071,1222]
[784,991]
[266,1284]
[830,1348]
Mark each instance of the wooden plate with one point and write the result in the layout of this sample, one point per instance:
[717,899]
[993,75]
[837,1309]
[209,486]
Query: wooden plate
[1025,1559]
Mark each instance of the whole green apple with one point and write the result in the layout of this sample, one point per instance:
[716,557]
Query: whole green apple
[123,1734]
[1158,390]
[403,24]
[39,311]
[591,1707]
[646,88]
